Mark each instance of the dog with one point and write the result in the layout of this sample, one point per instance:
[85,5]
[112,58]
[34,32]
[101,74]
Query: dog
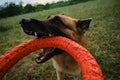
[58,25]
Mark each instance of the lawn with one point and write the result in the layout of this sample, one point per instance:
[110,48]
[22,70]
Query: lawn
[103,39]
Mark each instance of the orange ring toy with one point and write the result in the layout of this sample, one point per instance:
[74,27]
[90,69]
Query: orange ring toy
[88,65]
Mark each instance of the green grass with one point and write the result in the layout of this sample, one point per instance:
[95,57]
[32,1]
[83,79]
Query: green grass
[103,39]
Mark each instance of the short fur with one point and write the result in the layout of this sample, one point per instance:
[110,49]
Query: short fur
[60,25]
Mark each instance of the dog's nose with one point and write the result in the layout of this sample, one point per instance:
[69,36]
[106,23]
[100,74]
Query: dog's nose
[24,20]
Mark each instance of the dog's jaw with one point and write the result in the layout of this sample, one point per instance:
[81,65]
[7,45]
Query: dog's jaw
[45,55]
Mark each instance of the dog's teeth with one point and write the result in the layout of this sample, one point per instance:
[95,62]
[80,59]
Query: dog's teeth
[49,35]
[35,33]
[37,60]
[42,58]
[53,49]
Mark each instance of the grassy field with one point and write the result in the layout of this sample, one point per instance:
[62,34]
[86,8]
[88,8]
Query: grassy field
[103,39]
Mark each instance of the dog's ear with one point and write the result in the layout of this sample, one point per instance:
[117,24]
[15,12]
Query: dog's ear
[84,24]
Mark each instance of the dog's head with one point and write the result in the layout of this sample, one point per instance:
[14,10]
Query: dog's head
[55,25]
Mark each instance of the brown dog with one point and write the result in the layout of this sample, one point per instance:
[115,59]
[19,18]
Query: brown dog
[58,25]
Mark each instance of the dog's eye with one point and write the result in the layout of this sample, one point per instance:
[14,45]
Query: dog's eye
[57,19]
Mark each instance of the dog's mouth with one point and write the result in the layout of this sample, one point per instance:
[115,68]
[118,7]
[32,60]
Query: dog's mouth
[47,53]
[38,34]
[32,27]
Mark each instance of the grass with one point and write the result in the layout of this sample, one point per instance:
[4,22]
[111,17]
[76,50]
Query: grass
[103,39]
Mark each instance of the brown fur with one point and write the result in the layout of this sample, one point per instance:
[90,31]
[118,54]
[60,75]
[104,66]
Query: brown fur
[59,25]
[64,62]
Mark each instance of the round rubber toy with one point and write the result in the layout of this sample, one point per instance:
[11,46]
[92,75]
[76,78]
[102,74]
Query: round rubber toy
[88,65]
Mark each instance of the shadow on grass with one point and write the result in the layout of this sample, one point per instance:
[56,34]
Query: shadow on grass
[3,29]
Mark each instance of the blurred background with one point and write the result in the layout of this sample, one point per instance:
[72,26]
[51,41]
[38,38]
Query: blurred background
[103,37]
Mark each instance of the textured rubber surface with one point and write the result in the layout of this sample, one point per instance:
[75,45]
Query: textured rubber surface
[89,67]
